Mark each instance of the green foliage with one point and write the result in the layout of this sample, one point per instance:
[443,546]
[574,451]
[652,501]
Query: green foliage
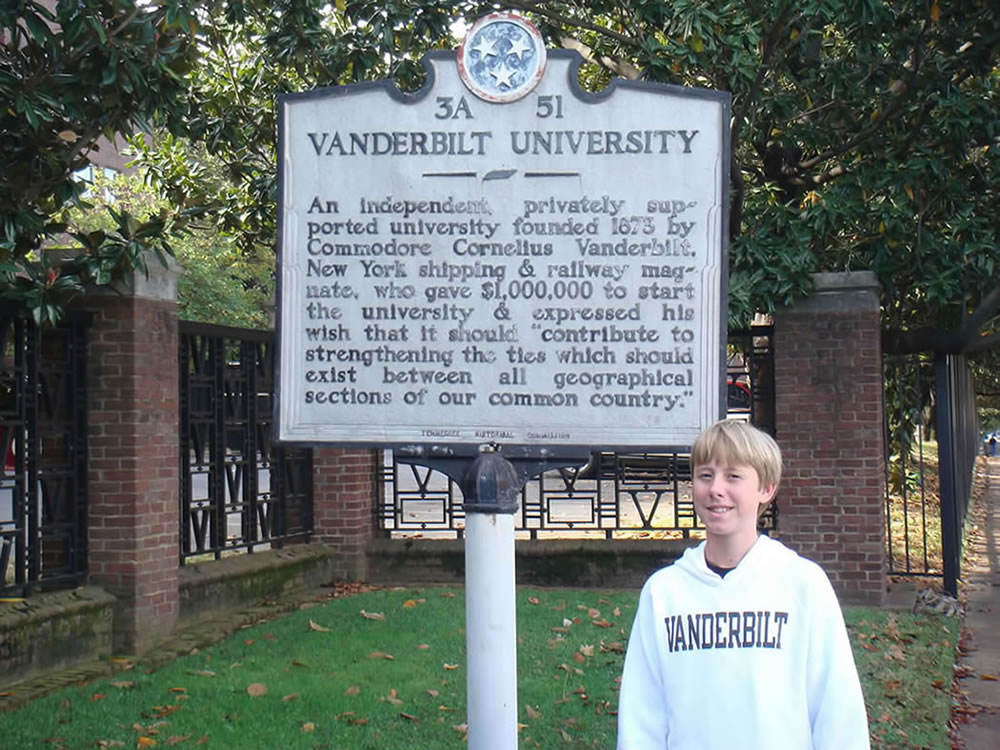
[220,284]
[863,131]
[88,68]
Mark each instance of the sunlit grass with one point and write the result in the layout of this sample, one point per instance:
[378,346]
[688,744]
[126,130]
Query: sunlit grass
[914,516]
[386,669]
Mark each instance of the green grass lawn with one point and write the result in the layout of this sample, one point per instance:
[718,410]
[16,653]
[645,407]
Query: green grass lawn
[385,669]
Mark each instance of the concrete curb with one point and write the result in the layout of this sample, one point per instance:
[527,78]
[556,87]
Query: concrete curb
[982,619]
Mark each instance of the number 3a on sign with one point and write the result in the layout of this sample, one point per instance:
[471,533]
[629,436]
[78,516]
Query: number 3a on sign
[448,110]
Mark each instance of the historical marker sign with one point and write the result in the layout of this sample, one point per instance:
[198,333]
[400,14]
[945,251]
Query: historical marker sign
[502,256]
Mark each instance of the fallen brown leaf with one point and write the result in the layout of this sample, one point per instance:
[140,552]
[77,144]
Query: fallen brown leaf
[178,739]
[393,698]
[409,717]
[451,666]
[313,625]
[990,677]
[256,689]
[372,615]
[289,697]
[308,727]
[532,712]
[409,604]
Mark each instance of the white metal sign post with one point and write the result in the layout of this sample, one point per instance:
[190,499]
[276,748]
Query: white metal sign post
[501,259]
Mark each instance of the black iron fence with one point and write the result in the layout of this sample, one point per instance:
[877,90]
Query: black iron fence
[43,438]
[931,442]
[239,491]
[958,441]
[611,496]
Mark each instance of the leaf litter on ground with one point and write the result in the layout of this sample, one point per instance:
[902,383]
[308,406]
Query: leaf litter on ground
[406,651]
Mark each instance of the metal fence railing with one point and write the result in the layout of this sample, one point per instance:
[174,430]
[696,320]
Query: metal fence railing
[239,491]
[931,442]
[958,438]
[43,437]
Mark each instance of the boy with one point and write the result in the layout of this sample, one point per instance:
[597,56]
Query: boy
[739,644]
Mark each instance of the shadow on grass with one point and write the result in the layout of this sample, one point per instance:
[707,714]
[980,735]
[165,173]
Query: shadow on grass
[386,669]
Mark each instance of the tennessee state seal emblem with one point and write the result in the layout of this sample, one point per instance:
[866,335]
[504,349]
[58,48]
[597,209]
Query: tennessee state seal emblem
[502,58]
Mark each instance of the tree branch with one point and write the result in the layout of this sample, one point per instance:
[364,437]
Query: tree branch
[888,111]
[534,7]
[987,309]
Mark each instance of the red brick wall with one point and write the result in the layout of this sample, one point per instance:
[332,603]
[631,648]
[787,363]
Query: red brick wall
[133,461]
[344,499]
[829,391]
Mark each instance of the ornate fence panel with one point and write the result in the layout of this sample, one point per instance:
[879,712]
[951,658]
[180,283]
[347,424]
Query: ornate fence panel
[239,491]
[612,496]
[913,520]
[43,436]
[931,445]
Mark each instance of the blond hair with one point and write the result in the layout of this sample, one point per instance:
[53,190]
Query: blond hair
[740,444]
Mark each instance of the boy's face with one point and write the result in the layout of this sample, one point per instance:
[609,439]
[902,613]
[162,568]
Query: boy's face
[727,498]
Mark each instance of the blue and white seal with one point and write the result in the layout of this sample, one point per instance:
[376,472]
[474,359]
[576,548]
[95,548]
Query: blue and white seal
[502,58]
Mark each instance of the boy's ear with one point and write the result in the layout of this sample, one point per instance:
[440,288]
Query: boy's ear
[768,493]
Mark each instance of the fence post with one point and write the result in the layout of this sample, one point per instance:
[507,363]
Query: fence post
[950,528]
[133,523]
[344,497]
[829,412]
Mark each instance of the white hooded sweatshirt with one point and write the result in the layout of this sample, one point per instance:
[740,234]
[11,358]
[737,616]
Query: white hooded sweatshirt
[756,660]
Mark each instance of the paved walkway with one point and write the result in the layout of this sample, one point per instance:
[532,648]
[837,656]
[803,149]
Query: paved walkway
[982,619]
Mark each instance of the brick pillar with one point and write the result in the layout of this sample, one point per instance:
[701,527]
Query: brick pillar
[133,453]
[344,499]
[829,404]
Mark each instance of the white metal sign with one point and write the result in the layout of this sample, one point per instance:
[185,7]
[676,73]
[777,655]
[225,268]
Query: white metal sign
[502,256]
